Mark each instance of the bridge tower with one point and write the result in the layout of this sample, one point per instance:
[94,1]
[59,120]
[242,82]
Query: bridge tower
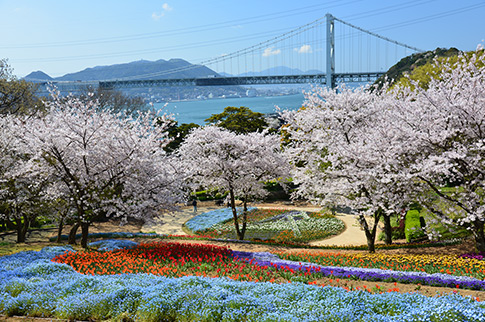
[330,79]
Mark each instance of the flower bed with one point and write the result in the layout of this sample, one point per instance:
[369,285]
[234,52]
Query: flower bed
[177,260]
[208,219]
[113,235]
[30,285]
[369,274]
[112,244]
[445,264]
[323,224]
[167,259]
[282,225]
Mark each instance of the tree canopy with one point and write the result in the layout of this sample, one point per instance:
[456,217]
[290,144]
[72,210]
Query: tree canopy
[101,163]
[238,163]
[177,134]
[423,74]
[409,64]
[115,100]
[16,96]
[381,149]
[240,120]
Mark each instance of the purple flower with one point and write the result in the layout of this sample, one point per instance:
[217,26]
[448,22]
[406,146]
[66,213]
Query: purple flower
[367,274]
[479,256]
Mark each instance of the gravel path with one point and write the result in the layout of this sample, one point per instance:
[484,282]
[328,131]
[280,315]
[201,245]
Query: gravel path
[352,235]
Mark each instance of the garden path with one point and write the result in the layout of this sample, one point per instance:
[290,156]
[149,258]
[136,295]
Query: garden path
[352,235]
[171,223]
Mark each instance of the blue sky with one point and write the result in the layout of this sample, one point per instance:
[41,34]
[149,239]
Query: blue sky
[64,36]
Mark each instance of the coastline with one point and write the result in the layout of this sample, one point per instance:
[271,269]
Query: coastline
[224,98]
[197,111]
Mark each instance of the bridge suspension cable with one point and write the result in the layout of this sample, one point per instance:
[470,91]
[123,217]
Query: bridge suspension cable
[285,39]
[378,36]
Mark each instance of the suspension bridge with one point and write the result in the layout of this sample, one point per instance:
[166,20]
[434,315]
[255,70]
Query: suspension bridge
[326,51]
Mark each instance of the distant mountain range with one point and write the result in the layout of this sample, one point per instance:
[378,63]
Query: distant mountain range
[160,69]
[142,69]
[38,76]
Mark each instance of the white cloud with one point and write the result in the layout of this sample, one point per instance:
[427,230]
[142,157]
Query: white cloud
[165,9]
[157,16]
[271,52]
[304,49]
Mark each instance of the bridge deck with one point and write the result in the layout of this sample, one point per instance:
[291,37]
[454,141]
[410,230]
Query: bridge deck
[217,81]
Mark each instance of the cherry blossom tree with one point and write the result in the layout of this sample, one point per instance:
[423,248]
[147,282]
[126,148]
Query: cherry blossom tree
[25,194]
[342,149]
[446,122]
[376,151]
[103,163]
[22,199]
[239,163]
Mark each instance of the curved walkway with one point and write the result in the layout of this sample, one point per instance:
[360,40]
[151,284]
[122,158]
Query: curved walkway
[171,223]
[353,235]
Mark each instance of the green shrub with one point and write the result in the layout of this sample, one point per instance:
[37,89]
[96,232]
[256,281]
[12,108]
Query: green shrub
[396,233]
[413,229]
[204,195]
[272,185]
[41,221]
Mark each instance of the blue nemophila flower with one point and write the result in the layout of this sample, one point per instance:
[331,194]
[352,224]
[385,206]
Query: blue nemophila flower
[112,244]
[34,288]
[208,219]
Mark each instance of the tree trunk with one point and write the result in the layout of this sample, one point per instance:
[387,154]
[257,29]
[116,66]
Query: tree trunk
[21,226]
[25,227]
[245,218]
[387,230]
[71,240]
[234,215]
[370,234]
[20,231]
[479,236]
[59,230]
[84,234]
[371,243]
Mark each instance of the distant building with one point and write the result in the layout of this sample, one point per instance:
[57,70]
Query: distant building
[251,92]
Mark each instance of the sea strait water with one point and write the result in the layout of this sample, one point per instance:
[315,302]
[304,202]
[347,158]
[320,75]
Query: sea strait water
[198,111]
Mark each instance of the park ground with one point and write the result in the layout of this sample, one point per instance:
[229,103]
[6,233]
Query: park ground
[171,223]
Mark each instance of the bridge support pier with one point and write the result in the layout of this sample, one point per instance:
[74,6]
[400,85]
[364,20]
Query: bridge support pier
[330,79]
